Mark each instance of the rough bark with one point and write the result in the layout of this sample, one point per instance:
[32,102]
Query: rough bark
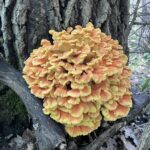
[26,22]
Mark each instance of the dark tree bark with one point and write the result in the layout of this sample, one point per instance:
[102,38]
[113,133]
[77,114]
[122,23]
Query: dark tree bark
[25,22]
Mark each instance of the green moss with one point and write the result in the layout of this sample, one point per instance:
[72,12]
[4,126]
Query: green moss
[12,112]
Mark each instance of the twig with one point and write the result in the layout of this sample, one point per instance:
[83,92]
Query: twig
[141,7]
[134,18]
[95,134]
[90,138]
[141,23]
[136,30]
[98,142]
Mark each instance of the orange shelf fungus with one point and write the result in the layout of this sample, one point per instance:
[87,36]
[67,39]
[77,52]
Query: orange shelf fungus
[82,77]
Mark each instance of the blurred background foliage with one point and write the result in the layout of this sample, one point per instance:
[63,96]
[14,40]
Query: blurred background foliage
[139,46]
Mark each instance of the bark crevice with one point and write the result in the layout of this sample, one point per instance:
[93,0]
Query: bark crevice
[7,32]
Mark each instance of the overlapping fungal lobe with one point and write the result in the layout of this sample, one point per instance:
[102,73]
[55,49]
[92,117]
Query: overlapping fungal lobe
[81,78]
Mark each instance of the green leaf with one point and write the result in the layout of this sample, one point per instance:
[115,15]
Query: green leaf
[145,85]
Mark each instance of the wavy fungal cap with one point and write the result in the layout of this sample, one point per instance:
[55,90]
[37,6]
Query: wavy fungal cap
[82,77]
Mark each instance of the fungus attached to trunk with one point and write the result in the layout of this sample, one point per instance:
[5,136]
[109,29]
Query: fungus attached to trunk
[81,78]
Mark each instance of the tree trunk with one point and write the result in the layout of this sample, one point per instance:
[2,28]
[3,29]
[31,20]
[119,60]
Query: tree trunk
[25,22]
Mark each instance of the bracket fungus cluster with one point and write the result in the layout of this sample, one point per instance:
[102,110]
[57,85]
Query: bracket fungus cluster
[82,77]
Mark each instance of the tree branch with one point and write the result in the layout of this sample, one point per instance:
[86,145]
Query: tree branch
[104,136]
[141,23]
[133,19]
[141,7]
[48,133]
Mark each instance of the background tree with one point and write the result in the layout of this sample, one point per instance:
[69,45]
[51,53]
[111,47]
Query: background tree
[144,35]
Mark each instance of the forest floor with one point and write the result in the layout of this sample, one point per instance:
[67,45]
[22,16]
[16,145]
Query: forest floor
[126,139]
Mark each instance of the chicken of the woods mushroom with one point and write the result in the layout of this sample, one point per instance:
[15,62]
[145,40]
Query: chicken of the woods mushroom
[81,77]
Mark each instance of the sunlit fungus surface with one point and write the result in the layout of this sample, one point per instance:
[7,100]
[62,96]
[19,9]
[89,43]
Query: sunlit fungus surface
[82,77]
